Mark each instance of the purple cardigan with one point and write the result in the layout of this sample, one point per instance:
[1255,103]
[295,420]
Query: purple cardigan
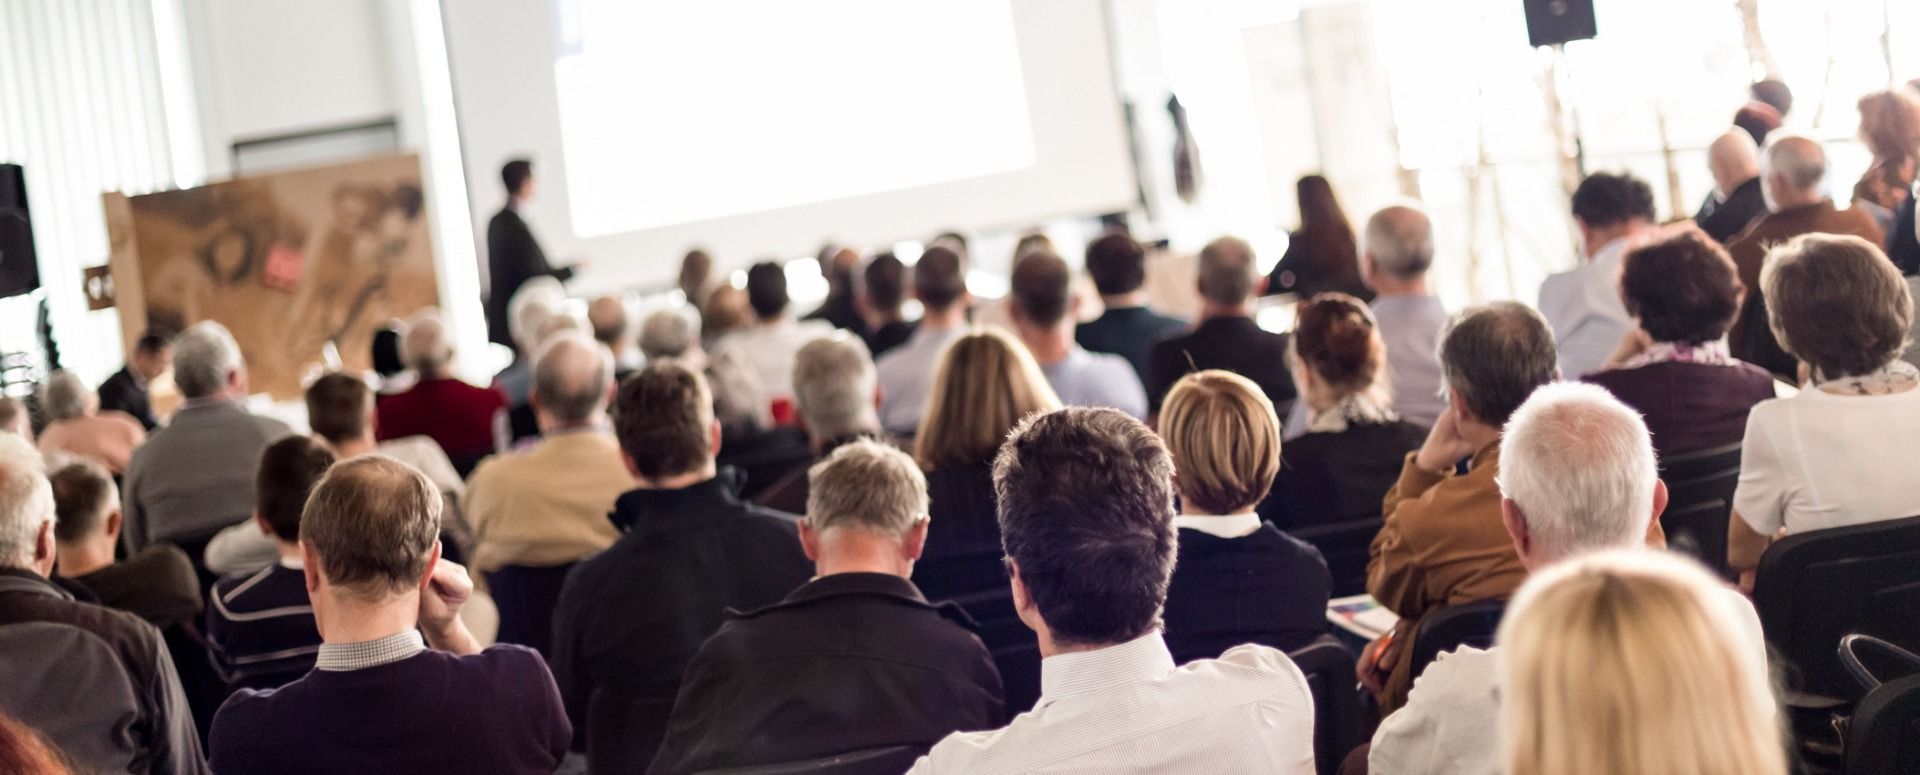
[1689,406]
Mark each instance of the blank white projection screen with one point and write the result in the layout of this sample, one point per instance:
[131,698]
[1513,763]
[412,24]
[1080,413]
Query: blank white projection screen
[673,112]
[759,128]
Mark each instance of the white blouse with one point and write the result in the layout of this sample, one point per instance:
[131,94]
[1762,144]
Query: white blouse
[1819,460]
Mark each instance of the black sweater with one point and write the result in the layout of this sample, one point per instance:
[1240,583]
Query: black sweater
[1265,587]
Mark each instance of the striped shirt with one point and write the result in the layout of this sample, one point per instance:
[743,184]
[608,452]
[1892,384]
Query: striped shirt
[260,625]
[1128,709]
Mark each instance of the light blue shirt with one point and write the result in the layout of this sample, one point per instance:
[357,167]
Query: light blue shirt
[906,377]
[1583,306]
[1411,327]
[1097,379]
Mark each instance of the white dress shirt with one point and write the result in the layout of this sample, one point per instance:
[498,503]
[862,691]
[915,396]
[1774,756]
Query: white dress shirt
[1224,526]
[1451,722]
[1128,709]
[769,348]
[1583,306]
[906,377]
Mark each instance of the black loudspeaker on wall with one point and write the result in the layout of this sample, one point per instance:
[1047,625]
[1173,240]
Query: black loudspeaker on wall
[1551,22]
[19,270]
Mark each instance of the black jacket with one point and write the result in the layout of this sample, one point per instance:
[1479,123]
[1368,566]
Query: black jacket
[1129,332]
[513,258]
[1236,344]
[1903,245]
[1266,588]
[849,662]
[1338,477]
[1721,220]
[630,618]
[122,392]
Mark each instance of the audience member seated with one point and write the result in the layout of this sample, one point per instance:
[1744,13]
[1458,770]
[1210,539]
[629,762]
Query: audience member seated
[984,385]
[769,343]
[1699,700]
[195,476]
[77,427]
[1835,454]
[1442,542]
[98,681]
[158,584]
[260,625]
[1127,328]
[1890,129]
[834,393]
[1578,476]
[14,418]
[381,697]
[725,312]
[536,310]
[1086,508]
[1583,304]
[883,290]
[696,280]
[126,390]
[1355,444]
[25,752]
[1675,370]
[1044,308]
[1321,256]
[1735,200]
[1226,337]
[1398,252]
[739,401]
[840,310]
[390,373]
[607,318]
[906,373]
[855,659]
[630,618]
[1237,579]
[461,418]
[1793,175]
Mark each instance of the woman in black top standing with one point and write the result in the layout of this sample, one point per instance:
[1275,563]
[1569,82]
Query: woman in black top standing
[1322,255]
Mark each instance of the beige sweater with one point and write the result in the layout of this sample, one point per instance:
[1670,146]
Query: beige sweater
[546,505]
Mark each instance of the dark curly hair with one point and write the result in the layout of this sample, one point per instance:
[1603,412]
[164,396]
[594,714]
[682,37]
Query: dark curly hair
[1683,289]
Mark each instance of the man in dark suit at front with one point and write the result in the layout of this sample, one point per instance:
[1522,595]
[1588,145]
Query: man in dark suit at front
[126,390]
[513,255]
[1227,336]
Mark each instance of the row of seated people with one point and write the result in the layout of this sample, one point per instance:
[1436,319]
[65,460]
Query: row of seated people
[857,660]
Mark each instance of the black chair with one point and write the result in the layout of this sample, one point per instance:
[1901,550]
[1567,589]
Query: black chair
[1337,708]
[891,760]
[1450,627]
[1700,489]
[1346,546]
[1015,649]
[1815,588]
[526,596]
[1884,735]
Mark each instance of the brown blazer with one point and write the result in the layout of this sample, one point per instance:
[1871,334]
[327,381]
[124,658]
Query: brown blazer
[1750,338]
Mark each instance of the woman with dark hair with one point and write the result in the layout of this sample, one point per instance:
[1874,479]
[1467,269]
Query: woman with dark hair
[1890,128]
[1675,369]
[1322,255]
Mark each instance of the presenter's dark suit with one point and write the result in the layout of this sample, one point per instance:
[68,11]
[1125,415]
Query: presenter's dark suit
[513,258]
[123,392]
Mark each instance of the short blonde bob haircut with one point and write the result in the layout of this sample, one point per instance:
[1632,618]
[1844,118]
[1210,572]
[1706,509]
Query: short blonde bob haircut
[1225,440]
[985,384]
[1633,661]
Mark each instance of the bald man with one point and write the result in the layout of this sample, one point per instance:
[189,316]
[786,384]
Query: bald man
[1396,252]
[1736,201]
[607,316]
[1793,171]
[537,511]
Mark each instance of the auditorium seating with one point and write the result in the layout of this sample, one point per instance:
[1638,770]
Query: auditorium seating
[877,761]
[1884,734]
[1450,627]
[1337,709]
[1345,546]
[1814,588]
[1699,501]
[526,596]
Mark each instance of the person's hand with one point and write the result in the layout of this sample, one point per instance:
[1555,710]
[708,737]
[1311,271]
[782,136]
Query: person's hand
[1376,663]
[447,590]
[1444,446]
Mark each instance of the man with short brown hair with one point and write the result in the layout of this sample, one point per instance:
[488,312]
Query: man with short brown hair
[1045,311]
[631,617]
[379,699]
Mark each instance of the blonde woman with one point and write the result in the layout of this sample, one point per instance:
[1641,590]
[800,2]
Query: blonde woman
[1630,663]
[1237,579]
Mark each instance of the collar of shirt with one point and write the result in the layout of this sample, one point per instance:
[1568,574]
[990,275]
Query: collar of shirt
[1228,526]
[1613,251]
[1064,676]
[23,580]
[348,657]
[209,401]
[293,563]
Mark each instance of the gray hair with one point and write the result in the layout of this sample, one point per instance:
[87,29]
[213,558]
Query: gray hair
[1495,355]
[1579,465]
[1400,239]
[739,397]
[572,376]
[866,485]
[537,300]
[26,500]
[833,387]
[65,397]
[1794,160]
[204,358]
[426,347]
[668,333]
[1227,271]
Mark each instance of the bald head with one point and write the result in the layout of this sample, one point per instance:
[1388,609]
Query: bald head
[572,379]
[608,319]
[1399,240]
[1795,166]
[426,348]
[1733,159]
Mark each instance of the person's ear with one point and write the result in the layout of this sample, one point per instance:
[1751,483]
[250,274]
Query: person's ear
[260,520]
[1516,524]
[879,395]
[113,523]
[627,460]
[809,540]
[1459,406]
[433,561]
[1022,602]
[1660,497]
[310,567]
[714,441]
[914,543]
[45,545]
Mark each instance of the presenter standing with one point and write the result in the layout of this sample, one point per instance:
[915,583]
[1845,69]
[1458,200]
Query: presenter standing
[513,255]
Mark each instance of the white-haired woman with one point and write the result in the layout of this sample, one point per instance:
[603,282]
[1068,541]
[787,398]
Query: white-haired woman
[78,428]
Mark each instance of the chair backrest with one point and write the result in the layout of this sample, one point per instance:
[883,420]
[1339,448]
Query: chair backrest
[1700,489]
[891,760]
[1814,588]
[1873,661]
[1884,734]
[1450,627]
[1346,546]
[1015,649]
[1328,666]
[526,597]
